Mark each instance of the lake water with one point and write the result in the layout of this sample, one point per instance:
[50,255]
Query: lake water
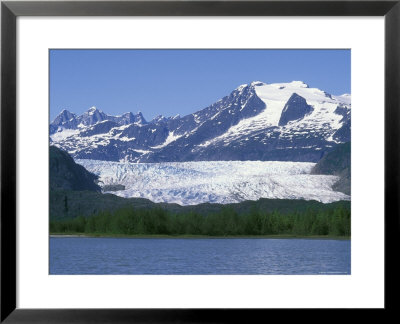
[79,255]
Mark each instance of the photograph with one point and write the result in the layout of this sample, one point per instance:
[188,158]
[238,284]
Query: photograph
[199,161]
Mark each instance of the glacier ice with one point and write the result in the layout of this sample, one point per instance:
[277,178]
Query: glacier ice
[191,183]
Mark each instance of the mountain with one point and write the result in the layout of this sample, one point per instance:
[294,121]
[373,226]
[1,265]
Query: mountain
[256,121]
[338,163]
[69,121]
[65,174]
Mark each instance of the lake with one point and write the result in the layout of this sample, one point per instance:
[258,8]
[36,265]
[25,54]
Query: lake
[244,256]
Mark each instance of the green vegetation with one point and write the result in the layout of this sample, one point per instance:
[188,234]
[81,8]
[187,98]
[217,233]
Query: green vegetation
[226,222]
[89,203]
[337,162]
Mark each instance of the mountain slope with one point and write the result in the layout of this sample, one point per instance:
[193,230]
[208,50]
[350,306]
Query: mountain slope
[65,174]
[338,163]
[257,121]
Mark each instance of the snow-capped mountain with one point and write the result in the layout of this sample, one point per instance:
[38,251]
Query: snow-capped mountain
[257,121]
[191,183]
[67,120]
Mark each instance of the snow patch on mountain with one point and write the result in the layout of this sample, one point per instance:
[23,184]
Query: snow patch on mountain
[170,138]
[63,134]
[344,98]
[191,183]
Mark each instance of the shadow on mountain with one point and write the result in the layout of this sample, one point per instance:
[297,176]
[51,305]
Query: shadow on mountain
[338,163]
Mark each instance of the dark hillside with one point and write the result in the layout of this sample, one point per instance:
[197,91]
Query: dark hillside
[65,174]
[337,162]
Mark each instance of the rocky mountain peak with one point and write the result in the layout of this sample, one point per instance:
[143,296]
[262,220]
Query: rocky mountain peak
[256,121]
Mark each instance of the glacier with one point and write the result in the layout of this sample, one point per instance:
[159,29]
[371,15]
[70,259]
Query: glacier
[192,183]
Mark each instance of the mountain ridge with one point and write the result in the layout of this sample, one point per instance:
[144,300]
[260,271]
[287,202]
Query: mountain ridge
[256,121]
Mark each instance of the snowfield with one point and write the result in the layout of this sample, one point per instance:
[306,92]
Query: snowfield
[191,183]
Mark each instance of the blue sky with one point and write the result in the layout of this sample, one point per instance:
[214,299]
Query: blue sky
[171,82]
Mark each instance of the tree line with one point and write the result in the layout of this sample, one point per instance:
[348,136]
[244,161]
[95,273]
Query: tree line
[226,222]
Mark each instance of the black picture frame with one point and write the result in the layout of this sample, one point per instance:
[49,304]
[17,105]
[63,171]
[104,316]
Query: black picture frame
[10,10]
